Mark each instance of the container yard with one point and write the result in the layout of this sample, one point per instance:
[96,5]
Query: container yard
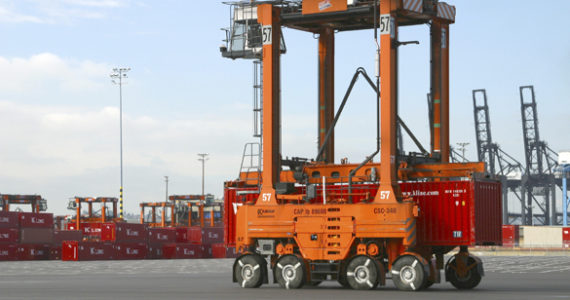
[211,177]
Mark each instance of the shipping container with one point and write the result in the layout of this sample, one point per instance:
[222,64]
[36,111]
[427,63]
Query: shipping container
[233,197]
[89,230]
[194,235]
[130,251]
[219,251]
[182,251]
[55,253]
[231,252]
[75,251]
[36,236]
[566,237]
[511,235]
[33,251]
[541,237]
[36,220]
[161,235]
[8,252]
[207,251]
[9,219]
[212,235]
[66,235]
[182,234]
[453,213]
[9,236]
[155,251]
[124,232]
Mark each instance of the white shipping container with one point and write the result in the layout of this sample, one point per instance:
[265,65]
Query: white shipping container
[541,237]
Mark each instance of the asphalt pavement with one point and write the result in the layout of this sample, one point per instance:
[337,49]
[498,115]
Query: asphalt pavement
[506,278]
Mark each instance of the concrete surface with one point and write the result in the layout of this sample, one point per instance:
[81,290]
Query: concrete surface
[506,278]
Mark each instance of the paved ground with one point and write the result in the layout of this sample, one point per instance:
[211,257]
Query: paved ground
[507,278]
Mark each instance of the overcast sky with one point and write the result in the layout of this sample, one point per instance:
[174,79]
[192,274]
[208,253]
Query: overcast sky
[59,111]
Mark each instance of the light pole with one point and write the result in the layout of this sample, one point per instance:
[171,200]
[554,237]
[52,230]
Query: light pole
[166,180]
[203,158]
[117,78]
[462,147]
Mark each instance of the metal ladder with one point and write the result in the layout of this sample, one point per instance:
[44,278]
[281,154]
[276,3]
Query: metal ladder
[251,160]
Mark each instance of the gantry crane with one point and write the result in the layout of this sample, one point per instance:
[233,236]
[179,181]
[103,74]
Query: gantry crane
[320,220]
[541,161]
[37,203]
[92,215]
[498,163]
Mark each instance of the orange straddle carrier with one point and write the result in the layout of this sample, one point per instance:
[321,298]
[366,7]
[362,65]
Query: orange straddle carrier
[316,220]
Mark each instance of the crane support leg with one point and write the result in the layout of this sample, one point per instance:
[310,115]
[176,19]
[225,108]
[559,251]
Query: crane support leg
[389,190]
[326,92]
[444,132]
[440,90]
[268,17]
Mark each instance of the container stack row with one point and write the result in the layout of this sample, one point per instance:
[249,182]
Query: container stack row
[123,241]
[30,236]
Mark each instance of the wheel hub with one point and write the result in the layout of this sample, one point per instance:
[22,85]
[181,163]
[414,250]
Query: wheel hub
[408,274]
[247,272]
[289,273]
[362,274]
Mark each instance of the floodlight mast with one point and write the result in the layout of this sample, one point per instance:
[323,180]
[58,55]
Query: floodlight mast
[117,78]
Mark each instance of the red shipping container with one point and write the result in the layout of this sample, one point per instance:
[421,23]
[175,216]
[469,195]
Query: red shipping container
[9,236]
[9,219]
[124,232]
[452,213]
[33,252]
[66,235]
[36,235]
[55,253]
[161,235]
[206,251]
[75,251]
[181,251]
[231,252]
[36,220]
[510,235]
[219,251]
[195,235]
[182,234]
[89,230]
[8,252]
[234,197]
[130,251]
[154,251]
[566,237]
[212,235]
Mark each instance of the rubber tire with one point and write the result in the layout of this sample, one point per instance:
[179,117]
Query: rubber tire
[373,273]
[257,278]
[472,279]
[412,264]
[290,261]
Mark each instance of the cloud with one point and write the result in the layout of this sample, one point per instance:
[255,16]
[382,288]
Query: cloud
[95,3]
[8,16]
[47,70]
[47,145]
[56,11]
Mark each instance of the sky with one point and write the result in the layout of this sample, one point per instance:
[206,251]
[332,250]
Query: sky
[59,110]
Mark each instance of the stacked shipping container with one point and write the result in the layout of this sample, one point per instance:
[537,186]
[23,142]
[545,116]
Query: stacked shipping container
[25,236]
